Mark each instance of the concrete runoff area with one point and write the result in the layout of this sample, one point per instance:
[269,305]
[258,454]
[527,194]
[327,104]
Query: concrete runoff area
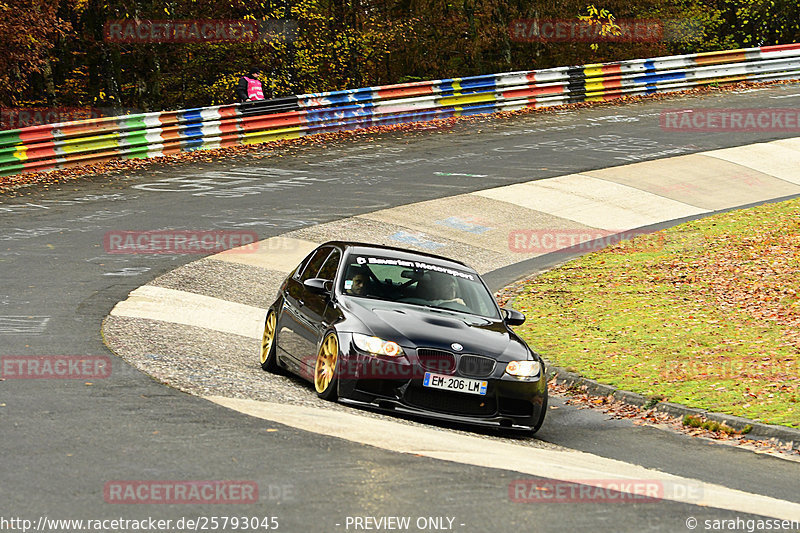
[474,220]
[191,309]
[709,183]
[776,159]
[276,253]
[617,199]
[598,203]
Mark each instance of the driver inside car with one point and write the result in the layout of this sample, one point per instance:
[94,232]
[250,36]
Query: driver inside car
[358,285]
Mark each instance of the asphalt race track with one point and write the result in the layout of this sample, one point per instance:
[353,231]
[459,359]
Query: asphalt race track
[65,440]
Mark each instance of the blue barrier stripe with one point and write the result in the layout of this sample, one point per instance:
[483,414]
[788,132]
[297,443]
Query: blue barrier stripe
[449,89]
[193,131]
[655,78]
[468,83]
[478,85]
[192,144]
[192,115]
[451,84]
[314,115]
[339,97]
[477,109]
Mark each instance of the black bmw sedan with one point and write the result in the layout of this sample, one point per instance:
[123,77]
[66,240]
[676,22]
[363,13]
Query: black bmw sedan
[404,331]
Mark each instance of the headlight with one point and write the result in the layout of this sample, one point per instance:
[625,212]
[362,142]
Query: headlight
[377,345]
[523,369]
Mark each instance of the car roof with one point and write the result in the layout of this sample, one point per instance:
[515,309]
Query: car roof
[399,253]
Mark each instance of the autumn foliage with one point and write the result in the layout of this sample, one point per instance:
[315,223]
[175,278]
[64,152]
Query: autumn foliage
[57,54]
[28,32]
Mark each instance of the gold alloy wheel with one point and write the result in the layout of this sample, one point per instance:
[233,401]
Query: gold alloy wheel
[268,338]
[326,363]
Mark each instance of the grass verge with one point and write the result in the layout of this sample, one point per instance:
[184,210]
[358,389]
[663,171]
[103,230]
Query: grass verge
[705,314]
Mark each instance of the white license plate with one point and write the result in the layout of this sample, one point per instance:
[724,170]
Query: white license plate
[470,386]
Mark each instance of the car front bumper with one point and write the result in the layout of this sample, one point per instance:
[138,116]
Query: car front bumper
[396,384]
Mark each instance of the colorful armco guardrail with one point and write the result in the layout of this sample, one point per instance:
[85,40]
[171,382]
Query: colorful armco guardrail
[54,146]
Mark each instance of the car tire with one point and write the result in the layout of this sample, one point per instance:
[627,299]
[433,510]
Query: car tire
[269,344]
[326,379]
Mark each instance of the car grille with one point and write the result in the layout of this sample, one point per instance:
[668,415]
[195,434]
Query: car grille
[437,360]
[475,366]
[451,402]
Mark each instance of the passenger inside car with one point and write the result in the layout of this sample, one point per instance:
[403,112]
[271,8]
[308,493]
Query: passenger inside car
[447,291]
[444,290]
[437,290]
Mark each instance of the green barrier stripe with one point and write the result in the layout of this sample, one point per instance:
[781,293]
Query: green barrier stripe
[10,170]
[9,137]
[9,159]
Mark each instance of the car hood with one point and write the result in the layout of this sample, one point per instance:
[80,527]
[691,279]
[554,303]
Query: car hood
[413,326]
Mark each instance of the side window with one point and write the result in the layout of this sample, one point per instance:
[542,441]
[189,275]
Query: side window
[313,265]
[299,270]
[328,270]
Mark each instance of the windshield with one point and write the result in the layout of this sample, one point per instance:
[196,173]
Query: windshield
[417,283]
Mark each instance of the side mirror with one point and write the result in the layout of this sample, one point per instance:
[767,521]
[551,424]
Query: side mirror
[319,285]
[513,317]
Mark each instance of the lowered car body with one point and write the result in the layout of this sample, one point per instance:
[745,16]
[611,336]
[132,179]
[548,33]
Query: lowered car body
[404,331]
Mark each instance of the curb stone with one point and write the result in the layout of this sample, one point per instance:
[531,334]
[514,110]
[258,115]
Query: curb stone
[776,434]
